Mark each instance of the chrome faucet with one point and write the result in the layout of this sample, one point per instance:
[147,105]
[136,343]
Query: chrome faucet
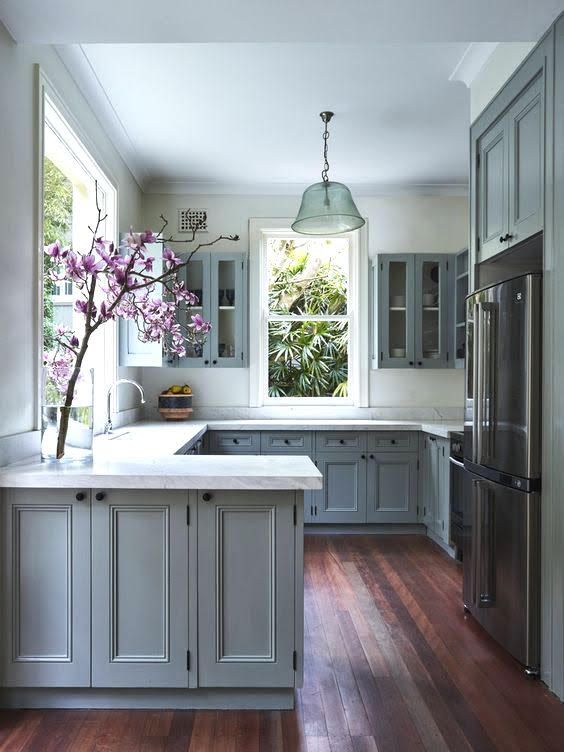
[108,428]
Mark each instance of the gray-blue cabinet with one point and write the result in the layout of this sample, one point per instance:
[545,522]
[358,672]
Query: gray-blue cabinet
[508,161]
[391,487]
[247,583]
[434,500]
[219,280]
[45,588]
[343,496]
[143,571]
[412,309]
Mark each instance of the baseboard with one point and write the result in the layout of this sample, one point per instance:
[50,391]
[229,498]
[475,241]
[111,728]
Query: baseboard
[435,538]
[148,699]
[365,529]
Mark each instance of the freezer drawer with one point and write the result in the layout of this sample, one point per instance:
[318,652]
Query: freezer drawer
[502,565]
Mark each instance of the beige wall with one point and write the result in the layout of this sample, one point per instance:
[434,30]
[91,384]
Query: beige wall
[18,214]
[396,224]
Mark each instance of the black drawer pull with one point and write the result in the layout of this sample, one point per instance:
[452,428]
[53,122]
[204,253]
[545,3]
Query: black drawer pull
[100,496]
[286,441]
[393,441]
[80,496]
[207,496]
[235,441]
[371,456]
[363,456]
[341,441]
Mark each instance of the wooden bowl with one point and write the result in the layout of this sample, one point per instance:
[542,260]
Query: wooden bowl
[175,406]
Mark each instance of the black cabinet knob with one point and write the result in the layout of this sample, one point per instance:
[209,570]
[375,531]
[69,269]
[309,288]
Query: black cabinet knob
[502,238]
[371,456]
[419,362]
[80,496]
[235,441]
[206,362]
[411,363]
[363,456]
[214,362]
[207,497]
[286,441]
[393,441]
[100,496]
[341,441]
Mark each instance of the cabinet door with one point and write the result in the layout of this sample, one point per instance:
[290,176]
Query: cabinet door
[140,589]
[429,475]
[196,277]
[526,163]
[396,286]
[493,184]
[246,570]
[432,311]
[133,352]
[442,490]
[46,588]
[228,300]
[343,496]
[392,488]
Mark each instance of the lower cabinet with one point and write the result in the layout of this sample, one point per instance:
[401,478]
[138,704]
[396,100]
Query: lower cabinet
[434,503]
[246,582]
[343,496]
[392,487]
[45,588]
[141,574]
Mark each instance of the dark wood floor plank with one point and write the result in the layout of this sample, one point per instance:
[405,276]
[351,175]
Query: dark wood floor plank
[391,665]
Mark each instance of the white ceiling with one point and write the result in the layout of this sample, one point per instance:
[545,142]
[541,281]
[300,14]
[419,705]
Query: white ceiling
[373,21]
[238,116]
[233,105]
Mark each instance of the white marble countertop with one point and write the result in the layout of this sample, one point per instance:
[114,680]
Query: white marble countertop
[184,472]
[439,428]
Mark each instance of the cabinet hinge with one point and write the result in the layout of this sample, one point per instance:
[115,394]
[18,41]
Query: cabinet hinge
[295,515]
[418,464]
[242,355]
[381,355]
[448,354]
[187,660]
[447,265]
[381,267]
[187,514]
[295,660]
[478,159]
[443,451]
[418,510]
[477,242]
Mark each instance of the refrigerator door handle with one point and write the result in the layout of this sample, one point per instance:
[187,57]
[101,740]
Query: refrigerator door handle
[477,387]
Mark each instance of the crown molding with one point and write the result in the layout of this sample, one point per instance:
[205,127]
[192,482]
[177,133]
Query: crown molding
[203,188]
[75,60]
[472,61]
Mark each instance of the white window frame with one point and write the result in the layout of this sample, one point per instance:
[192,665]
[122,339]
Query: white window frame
[260,231]
[82,149]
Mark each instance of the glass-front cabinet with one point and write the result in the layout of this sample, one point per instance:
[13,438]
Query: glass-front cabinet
[219,281]
[412,311]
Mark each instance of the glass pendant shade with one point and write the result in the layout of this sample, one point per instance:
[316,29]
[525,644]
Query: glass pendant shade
[327,208]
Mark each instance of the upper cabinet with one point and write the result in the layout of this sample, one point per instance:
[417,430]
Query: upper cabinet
[412,311]
[507,204]
[461,278]
[219,280]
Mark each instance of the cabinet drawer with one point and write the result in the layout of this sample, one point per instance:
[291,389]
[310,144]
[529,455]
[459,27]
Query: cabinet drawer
[286,441]
[235,442]
[406,441]
[334,440]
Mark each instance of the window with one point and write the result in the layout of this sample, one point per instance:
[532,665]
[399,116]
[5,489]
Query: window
[70,176]
[307,352]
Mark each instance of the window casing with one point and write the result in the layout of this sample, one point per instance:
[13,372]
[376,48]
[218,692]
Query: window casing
[266,235]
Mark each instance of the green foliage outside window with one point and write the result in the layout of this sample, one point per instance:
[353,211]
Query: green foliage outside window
[307,358]
[57,225]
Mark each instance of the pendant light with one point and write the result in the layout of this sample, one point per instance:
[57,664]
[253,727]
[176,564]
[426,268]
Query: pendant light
[327,208]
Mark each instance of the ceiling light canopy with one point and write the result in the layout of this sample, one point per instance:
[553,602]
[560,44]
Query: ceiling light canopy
[327,207]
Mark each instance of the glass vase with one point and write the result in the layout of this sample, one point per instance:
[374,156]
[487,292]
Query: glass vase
[67,432]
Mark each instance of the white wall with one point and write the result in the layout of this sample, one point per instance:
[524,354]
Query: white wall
[396,224]
[18,214]
[504,60]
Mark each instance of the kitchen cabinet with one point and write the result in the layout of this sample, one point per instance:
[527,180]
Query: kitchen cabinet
[412,309]
[246,576]
[509,179]
[391,487]
[434,502]
[343,496]
[219,279]
[461,282]
[45,588]
[142,574]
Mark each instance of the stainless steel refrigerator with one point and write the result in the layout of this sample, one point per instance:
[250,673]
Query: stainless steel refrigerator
[502,454]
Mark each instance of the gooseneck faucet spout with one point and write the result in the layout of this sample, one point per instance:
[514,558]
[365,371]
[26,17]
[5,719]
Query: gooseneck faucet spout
[108,428]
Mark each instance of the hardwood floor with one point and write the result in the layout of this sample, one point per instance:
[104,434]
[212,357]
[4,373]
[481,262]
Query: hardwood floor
[391,663]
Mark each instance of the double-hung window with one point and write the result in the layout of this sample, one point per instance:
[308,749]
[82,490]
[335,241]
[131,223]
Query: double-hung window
[308,348]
